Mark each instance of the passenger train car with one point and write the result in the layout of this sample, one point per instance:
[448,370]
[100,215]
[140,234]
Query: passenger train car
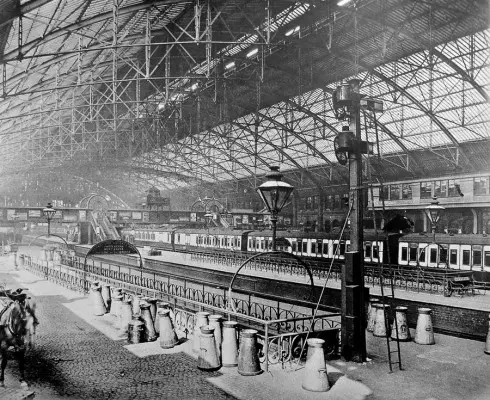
[307,244]
[458,251]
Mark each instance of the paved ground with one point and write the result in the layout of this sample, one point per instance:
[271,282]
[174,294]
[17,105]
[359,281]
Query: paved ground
[79,356]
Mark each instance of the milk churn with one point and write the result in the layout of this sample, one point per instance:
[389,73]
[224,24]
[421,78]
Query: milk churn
[201,319]
[97,300]
[315,375]
[248,358]
[371,314]
[229,345]
[136,303]
[208,357]
[149,326]
[153,307]
[126,314]
[400,330]
[106,295]
[380,328]
[424,333]
[136,330]
[168,337]
[215,322]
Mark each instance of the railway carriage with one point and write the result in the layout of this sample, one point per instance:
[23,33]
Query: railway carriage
[462,251]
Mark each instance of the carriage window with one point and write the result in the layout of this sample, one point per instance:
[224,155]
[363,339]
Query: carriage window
[404,254]
[313,247]
[466,257]
[487,259]
[325,248]
[425,190]
[367,250]
[335,249]
[481,185]
[413,254]
[433,255]
[422,254]
[320,247]
[476,257]
[305,246]
[293,246]
[406,191]
[375,251]
[453,256]
[266,243]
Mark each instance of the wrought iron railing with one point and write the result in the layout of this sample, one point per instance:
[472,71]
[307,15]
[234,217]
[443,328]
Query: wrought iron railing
[282,332]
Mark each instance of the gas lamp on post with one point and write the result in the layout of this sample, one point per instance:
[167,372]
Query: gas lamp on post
[49,213]
[434,211]
[208,217]
[274,193]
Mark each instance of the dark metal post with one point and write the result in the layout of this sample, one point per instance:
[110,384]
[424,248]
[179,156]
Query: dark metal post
[352,311]
[274,230]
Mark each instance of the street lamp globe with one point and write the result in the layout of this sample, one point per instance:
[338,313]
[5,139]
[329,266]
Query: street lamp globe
[274,193]
[434,211]
[49,213]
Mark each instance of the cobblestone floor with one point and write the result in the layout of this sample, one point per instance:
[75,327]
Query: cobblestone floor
[72,359]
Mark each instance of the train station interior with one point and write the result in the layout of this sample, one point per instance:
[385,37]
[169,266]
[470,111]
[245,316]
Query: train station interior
[262,199]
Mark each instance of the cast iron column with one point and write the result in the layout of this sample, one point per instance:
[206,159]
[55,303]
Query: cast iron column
[352,310]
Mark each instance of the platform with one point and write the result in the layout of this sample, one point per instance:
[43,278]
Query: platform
[80,356]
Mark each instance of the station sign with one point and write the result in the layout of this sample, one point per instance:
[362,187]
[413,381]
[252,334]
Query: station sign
[34,213]
[113,247]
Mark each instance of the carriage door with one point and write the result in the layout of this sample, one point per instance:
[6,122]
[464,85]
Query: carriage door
[412,253]
[433,254]
[486,258]
[423,250]
[368,251]
[465,260]
[454,256]
[403,253]
[476,259]
[187,239]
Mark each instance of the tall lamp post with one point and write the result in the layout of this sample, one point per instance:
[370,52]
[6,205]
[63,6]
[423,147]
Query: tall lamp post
[434,211]
[49,213]
[208,217]
[274,193]
[15,216]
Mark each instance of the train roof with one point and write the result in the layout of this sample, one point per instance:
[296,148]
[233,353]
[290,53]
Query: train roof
[444,238]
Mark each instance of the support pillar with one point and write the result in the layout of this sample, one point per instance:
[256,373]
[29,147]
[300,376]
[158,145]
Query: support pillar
[353,314]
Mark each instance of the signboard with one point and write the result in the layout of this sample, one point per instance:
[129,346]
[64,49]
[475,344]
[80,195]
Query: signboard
[146,216]
[70,217]
[58,214]
[22,216]
[113,247]
[82,216]
[34,213]
[245,219]
[136,215]
[10,215]
[125,214]
[193,216]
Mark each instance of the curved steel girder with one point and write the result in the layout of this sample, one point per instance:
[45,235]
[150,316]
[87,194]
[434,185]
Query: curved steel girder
[12,55]
[298,166]
[297,136]
[392,136]
[234,159]
[437,53]
[209,158]
[421,107]
[397,87]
